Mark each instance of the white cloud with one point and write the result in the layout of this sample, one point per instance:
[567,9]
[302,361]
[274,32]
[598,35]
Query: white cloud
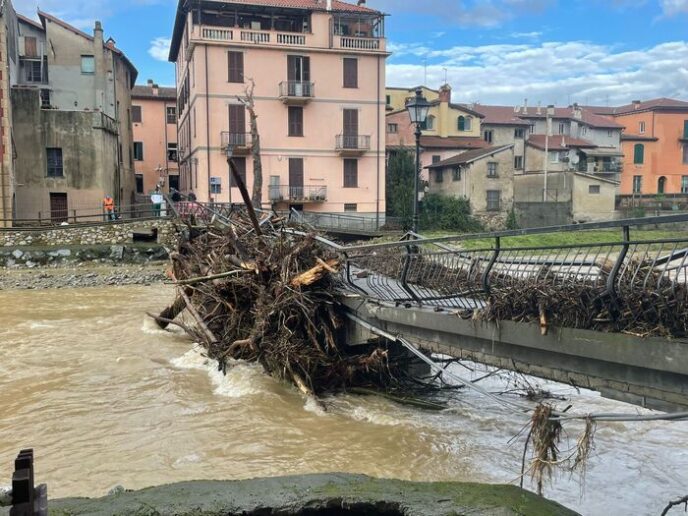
[674,7]
[551,72]
[160,48]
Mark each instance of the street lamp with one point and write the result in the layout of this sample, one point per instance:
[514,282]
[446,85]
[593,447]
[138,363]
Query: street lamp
[418,108]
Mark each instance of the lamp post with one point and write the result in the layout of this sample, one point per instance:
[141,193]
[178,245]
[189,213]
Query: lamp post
[548,130]
[418,108]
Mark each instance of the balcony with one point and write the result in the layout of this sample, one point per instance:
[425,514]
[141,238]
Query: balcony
[352,145]
[359,43]
[599,167]
[240,142]
[297,194]
[296,93]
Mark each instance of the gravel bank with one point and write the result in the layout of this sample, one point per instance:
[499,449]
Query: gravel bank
[82,277]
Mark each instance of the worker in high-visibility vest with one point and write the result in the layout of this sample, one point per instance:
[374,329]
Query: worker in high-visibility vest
[109,207]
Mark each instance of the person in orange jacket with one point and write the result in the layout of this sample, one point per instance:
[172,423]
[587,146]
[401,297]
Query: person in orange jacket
[109,207]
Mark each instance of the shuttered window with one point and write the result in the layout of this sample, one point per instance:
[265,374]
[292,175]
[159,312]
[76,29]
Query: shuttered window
[240,164]
[236,66]
[295,121]
[639,154]
[350,72]
[350,173]
[136,114]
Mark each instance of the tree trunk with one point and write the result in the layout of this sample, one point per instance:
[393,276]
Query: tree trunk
[248,102]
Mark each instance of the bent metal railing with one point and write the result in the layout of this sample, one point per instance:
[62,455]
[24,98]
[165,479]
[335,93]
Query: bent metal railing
[590,278]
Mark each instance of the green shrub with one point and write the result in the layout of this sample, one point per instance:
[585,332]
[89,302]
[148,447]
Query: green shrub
[444,213]
[512,220]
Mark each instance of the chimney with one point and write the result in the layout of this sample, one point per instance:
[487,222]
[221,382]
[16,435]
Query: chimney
[563,141]
[361,2]
[155,88]
[149,82]
[525,106]
[329,5]
[577,111]
[445,93]
[636,104]
[539,108]
[98,32]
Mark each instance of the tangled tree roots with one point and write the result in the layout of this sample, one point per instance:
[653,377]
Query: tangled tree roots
[269,298]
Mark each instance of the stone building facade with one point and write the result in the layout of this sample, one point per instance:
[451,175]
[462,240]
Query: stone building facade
[71,119]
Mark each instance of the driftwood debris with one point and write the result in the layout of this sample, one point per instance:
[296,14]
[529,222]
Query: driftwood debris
[259,293]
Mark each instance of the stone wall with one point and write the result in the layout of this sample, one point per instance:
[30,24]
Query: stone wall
[165,233]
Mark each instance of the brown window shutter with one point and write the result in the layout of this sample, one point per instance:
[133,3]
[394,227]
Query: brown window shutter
[240,164]
[295,121]
[350,72]
[350,173]
[236,66]
[30,47]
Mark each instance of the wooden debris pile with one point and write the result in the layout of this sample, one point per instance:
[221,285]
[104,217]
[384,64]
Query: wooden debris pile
[261,294]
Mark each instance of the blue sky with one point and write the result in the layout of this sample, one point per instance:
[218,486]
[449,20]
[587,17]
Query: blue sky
[491,51]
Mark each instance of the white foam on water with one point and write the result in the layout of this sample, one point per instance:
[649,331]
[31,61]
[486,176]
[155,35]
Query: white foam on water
[37,325]
[314,406]
[188,459]
[192,359]
[150,327]
[241,380]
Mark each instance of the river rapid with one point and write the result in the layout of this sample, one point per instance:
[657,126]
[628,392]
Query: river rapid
[106,398]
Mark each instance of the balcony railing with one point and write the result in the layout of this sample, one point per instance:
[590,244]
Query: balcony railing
[352,143]
[297,89]
[360,43]
[297,194]
[217,34]
[241,142]
[601,168]
[255,36]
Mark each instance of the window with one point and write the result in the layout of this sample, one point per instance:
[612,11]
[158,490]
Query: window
[236,66]
[554,157]
[240,165]
[562,128]
[461,123]
[519,133]
[30,46]
[171,113]
[456,174]
[639,154]
[641,127]
[392,128]
[350,72]
[685,128]
[136,114]
[388,99]
[492,169]
[171,152]
[430,123]
[661,185]
[439,175]
[88,64]
[531,129]
[487,136]
[54,159]
[637,184]
[518,162]
[493,200]
[138,151]
[350,207]
[350,173]
[139,183]
[609,133]
[295,121]
[584,130]
[45,98]
[684,184]
[436,158]
[215,185]
[594,189]
[685,153]
[33,71]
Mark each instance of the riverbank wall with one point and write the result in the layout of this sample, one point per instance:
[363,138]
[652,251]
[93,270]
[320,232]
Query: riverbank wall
[130,242]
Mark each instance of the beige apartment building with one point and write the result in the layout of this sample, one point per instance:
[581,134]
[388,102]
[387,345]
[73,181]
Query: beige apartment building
[154,120]
[319,73]
[71,121]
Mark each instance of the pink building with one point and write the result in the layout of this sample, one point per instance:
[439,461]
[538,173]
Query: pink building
[154,120]
[319,73]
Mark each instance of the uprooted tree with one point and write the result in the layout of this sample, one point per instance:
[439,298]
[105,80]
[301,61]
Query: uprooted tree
[249,103]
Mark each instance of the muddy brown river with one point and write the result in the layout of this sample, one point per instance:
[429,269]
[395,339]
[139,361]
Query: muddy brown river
[106,398]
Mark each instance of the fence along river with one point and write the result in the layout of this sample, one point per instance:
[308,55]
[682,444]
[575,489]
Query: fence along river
[106,398]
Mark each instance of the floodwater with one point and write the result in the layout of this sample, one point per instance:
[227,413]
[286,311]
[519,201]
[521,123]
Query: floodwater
[106,398]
